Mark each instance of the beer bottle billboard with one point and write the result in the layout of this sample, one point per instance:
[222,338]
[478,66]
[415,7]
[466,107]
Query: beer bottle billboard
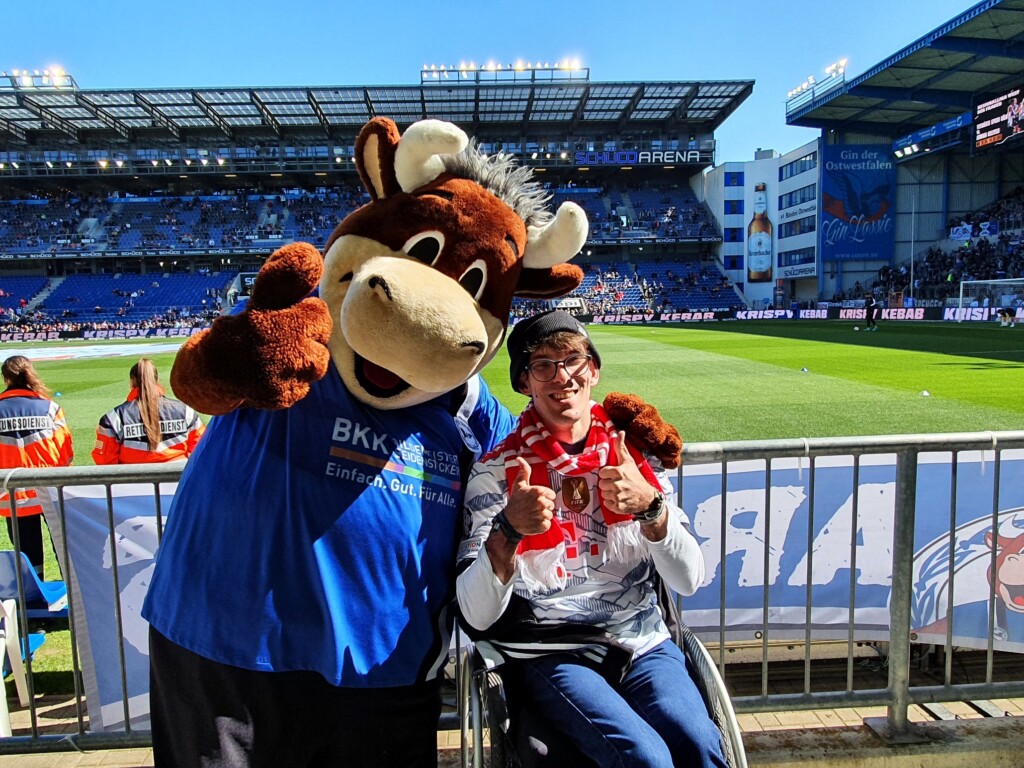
[759,239]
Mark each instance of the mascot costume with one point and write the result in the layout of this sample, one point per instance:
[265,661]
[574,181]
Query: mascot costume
[299,609]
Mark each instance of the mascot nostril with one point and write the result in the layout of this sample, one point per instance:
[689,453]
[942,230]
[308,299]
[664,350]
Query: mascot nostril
[377,282]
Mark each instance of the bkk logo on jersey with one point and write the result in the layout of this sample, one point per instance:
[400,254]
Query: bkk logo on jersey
[409,466]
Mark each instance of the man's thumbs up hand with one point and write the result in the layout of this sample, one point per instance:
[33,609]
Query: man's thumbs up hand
[623,488]
[530,507]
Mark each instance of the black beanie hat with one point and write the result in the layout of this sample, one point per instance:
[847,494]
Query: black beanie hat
[528,333]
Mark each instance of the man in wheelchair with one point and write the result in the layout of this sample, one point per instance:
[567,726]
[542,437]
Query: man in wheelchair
[567,529]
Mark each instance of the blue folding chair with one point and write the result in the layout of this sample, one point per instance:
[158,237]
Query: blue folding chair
[43,599]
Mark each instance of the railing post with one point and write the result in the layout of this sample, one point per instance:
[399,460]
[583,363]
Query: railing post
[902,590]
[896,727]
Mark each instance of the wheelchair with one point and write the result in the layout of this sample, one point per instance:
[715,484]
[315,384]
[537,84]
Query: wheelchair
[519,740]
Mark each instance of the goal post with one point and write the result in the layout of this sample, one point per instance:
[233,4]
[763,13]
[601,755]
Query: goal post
[993,294]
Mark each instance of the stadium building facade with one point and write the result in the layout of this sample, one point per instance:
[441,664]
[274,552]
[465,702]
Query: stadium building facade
[791,189]
[918,153]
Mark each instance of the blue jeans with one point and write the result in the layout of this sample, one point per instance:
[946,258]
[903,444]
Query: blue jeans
[654,717]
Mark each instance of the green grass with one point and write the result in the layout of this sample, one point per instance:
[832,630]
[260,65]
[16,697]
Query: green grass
[727,381]
[741,381]
[731,380]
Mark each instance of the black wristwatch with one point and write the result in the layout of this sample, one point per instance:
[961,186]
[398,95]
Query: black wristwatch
[501,524]
[653,512]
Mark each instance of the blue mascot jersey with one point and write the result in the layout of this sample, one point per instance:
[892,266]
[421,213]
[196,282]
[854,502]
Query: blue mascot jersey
[320,537]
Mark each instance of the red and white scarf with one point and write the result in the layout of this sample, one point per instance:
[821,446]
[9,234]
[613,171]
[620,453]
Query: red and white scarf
[543,554]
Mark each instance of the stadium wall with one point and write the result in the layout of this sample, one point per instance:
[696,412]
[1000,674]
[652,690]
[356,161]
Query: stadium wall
[835,312]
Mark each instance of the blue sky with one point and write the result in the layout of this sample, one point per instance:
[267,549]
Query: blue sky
[191,43]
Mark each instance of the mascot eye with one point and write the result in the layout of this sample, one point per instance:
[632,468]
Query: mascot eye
[474,278]
[425,247]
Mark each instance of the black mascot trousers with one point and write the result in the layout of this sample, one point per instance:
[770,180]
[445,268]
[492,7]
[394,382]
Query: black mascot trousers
[217,716]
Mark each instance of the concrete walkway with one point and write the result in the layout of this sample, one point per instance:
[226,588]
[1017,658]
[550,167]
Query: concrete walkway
[961,737]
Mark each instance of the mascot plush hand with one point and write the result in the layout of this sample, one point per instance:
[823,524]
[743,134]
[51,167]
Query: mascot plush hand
[314,529]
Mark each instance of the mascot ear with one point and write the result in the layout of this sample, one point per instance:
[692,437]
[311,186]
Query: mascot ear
[375,157]
[389,163]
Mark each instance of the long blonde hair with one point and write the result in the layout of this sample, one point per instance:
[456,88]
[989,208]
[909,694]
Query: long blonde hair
[144,376]
[19,372]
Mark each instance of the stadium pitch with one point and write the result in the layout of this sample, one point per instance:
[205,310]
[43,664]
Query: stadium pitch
[722,381]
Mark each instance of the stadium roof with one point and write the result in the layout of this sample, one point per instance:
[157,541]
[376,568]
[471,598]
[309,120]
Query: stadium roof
[35,114]
[935,78]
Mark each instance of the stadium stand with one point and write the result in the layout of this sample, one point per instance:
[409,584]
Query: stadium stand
[138,297]
[168,226]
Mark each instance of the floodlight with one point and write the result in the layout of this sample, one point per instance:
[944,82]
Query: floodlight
[167,160]
[119,163]
[155,162]
[915,147]
[204,161]
[103,163]
[899,153]
[49,164]
[67,163]
[16,166]
[220,161]
[2,166]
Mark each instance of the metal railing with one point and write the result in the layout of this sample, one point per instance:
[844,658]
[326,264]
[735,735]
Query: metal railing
[897,696]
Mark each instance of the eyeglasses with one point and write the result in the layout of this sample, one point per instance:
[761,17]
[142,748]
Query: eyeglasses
[546,370]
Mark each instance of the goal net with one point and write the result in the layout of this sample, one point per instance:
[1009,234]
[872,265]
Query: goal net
[992,293]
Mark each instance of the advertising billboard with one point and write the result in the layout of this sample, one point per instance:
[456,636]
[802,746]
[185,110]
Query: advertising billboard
[857,188]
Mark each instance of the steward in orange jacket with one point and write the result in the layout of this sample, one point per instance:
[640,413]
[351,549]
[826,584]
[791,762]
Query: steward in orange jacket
[148,427]
[33,433]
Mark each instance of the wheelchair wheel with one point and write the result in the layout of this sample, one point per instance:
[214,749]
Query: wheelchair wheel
[716,697]
[502,752]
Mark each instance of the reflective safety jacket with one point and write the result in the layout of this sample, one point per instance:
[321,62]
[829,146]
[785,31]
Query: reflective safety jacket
[121,435]
[33,433]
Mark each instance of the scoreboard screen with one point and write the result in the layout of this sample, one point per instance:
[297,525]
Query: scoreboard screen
[999,120]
